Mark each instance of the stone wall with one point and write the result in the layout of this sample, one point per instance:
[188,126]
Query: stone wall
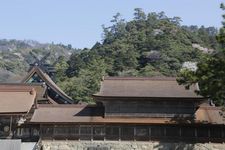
[118,145]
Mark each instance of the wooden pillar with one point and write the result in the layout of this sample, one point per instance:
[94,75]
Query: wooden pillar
[10,127]
[208,129]
[104,132]
[180,132]
[40,131]
[149,133]
[53,132]
[164,128]
[119,133]
[134,135]
[92,133]
[222,130]
[78,132]
[196,134]
[30,131]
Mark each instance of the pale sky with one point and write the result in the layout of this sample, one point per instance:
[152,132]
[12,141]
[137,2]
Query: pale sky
[79,22]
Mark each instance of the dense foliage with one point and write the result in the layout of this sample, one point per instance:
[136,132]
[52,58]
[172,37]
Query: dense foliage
[210,74]
[15,56]
[149,45]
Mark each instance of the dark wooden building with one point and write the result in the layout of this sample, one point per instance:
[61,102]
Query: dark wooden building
[139,109]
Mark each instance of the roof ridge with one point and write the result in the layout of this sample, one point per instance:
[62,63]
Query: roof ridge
[14,89]
[67,105]
[20,84]
[141,78]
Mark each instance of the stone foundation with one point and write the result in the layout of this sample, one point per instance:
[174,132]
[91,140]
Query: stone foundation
[129,145]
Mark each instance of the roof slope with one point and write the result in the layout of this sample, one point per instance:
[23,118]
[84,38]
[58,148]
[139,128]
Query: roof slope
[38,87]
[86,114]
[16,99]
[144,87]
[48,82]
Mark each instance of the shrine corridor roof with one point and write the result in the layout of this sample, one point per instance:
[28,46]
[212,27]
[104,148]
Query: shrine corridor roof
[16,98]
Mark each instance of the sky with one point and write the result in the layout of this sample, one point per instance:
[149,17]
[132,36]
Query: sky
[79,22]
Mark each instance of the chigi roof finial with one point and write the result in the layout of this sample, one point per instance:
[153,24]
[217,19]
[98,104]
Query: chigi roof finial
[42,64]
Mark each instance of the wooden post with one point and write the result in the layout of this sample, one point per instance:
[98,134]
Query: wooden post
[92,133]
[10,126]
[149,133]
[40,131]
[222,129]
[78,132]
[209,135]
[104,132]
[30,131]
[180,132]
[53,132]
[164,128]
[196,134]
[119,133]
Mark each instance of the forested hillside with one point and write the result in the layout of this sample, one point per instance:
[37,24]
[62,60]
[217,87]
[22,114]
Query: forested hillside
[15,56]
[149,45]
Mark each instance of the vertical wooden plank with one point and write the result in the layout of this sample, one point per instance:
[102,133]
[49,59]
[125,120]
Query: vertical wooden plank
[92,132]
[180,134]
[164,128]
[78,132]
[222,130]
[53,132]
[149,132]
[119,133]
[10,126]
[196,134]
[208,129]
[104,132]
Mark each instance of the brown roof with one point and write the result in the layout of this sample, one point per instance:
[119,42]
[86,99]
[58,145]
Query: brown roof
[209,114]
[38,87]
[16,99]
[87,114]
[144,87]
[48,82]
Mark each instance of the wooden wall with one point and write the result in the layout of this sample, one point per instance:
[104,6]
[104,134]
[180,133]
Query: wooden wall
[149,108]
[194,133]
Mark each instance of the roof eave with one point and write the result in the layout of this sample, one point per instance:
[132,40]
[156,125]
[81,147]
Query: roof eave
[95,96]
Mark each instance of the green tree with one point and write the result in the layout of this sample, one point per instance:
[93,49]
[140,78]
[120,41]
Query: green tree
[210,74]
[61,67]
[87,82]
[139,14]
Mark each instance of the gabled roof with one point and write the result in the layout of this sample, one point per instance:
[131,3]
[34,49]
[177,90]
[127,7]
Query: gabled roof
[94,114]
[48,81]
[144,88]
[16,99]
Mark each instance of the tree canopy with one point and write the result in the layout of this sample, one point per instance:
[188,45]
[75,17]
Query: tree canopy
[148,45]
[210,74]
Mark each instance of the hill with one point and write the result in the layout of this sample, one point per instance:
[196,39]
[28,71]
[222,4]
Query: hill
[149,45]
[15,56]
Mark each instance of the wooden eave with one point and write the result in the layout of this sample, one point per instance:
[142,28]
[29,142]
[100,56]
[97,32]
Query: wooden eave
[113,98]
